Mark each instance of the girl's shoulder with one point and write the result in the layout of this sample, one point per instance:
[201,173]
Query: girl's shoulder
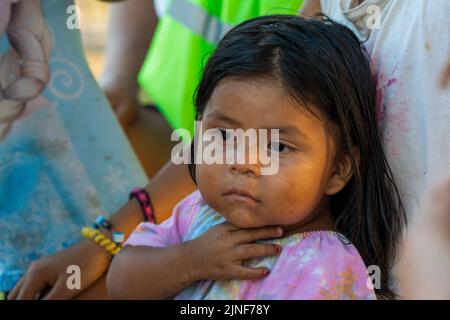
[324,244]
[316,265]
[327,249]
[325,241]
[199,216]
[194,199]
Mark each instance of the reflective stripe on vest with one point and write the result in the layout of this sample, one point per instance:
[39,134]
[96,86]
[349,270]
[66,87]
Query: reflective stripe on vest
[198,20]
[188,31]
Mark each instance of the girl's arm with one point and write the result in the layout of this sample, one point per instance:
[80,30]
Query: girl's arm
[143,272]
[149,273]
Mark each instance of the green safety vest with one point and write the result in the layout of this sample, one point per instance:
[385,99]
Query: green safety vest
[187,33]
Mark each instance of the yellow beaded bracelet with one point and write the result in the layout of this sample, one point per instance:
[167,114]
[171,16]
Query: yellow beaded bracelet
[101,239]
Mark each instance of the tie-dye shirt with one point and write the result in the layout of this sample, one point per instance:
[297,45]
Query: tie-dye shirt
[312,265]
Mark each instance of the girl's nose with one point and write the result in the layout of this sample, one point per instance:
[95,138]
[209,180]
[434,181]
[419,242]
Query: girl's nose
[245,159]
[252,169]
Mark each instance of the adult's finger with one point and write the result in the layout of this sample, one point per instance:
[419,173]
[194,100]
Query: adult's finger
[31,288]
[126,112]
[445,78]
[439,192]
[15,291]
[60,291]
[250,235]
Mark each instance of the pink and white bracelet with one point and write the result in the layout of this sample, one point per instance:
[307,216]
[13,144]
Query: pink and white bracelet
[143,198]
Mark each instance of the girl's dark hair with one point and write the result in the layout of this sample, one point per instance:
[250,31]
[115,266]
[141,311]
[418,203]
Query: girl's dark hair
[322,64]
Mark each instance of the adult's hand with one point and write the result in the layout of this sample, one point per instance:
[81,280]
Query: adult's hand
[426,261]
[124,103]
[47,278]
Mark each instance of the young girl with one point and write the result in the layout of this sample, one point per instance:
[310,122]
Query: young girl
[310,230]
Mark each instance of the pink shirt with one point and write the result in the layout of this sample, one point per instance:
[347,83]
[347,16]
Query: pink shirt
[312,265]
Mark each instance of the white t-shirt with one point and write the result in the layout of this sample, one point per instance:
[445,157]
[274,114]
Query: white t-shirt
[409,52]
[160,6]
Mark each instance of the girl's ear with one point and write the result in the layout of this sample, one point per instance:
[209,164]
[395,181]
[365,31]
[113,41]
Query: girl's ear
[342,172]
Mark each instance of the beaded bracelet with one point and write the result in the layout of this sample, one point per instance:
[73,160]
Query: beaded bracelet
[101,239]
[102,222]
[145,202]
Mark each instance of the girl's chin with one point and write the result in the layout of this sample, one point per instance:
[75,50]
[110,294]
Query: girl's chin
[244,220]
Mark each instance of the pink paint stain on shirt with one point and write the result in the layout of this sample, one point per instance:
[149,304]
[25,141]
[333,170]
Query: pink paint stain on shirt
[391,82]
[382,84]
[391,115]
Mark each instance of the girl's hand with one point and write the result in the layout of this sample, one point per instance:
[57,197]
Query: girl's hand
[47,278]
[218,254]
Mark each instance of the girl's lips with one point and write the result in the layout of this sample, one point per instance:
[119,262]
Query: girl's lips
[241,195]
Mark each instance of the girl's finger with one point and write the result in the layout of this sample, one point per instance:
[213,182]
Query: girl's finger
[248,251]
[243,273]
[228,226]
[250,235]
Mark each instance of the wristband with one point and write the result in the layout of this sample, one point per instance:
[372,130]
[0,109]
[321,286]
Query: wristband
[144,201]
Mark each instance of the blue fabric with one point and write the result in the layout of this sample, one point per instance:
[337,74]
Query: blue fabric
[63,164]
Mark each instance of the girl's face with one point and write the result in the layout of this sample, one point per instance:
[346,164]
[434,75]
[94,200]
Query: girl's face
[308,172]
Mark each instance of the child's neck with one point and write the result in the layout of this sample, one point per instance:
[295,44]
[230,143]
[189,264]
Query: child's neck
[320,220]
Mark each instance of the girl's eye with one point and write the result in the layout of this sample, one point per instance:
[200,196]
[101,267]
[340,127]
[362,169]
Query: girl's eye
[279,147]
[226,135]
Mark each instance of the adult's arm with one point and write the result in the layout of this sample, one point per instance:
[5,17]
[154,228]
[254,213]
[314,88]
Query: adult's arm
[131,27]
[310,9]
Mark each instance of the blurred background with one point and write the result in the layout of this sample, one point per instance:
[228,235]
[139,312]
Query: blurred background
[94,20]
[148,123]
